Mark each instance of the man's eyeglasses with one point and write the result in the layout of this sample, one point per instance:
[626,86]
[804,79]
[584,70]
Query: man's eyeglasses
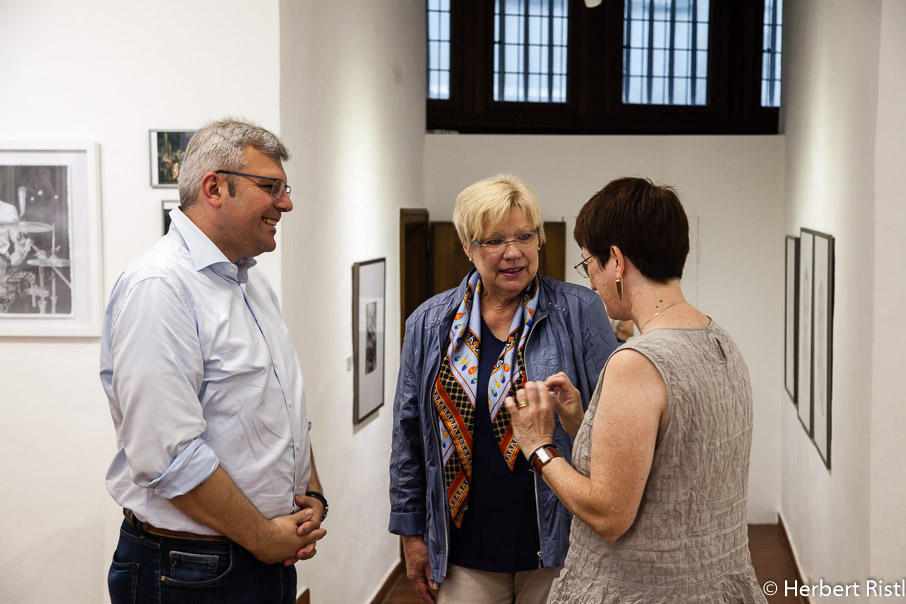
[496,245]
[582,267]
[277,189]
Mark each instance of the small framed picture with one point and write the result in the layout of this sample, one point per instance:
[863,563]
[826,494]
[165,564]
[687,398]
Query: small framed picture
[168,147]
[790,332]
[368,312]
[166,206]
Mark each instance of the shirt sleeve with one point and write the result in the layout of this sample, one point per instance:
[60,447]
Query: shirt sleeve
[158,371]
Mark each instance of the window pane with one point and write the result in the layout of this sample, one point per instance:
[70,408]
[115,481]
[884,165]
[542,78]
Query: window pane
[530,41]
[770,56]
[665,49]
[438,49]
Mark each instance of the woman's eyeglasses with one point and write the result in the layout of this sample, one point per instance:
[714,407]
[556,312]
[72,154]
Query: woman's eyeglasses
[582,267]
[496,245]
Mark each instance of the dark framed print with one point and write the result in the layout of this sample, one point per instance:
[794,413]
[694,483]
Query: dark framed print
[804,379]
[791,307]
[168,147]
[50,240]
[368,312]
[823,339]
[166,206]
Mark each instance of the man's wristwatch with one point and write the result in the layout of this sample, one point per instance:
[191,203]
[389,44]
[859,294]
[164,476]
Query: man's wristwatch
[542,456]
[320,497]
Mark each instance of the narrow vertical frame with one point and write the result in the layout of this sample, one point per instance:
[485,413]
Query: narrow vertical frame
[823,349]
[806,280]
[791,323]
[368,336]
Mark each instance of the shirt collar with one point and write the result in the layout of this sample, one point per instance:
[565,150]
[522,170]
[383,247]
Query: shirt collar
[202,250]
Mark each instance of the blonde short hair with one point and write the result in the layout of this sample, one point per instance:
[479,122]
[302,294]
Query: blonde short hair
[484,205]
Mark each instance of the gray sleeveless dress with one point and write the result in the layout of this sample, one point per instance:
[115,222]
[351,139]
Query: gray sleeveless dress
[689,541]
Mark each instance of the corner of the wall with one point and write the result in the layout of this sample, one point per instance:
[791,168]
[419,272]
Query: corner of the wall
[785,536]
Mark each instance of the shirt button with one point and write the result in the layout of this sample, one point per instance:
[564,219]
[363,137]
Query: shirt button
[290,404]
[297,446]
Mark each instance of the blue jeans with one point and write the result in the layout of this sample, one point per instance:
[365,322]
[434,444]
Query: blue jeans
[148,569]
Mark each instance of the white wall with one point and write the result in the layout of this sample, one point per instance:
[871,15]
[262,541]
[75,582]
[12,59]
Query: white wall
[352,105]
[103,71]
[733,184]
[844,164]
[888,450]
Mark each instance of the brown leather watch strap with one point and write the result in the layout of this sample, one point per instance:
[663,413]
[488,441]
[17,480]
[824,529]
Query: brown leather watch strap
[539,460]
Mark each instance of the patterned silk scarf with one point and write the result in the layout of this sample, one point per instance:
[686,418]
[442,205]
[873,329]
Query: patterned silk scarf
[457,381]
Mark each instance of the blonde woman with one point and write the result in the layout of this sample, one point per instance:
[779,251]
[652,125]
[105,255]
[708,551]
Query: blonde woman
[476,523]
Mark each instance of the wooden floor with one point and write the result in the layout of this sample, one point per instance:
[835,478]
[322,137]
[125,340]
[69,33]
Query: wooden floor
[770,557]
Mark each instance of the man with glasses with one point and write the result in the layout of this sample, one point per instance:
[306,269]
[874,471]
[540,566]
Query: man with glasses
[214,468]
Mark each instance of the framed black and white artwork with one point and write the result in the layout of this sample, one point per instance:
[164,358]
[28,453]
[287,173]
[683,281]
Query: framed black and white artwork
[368,313]
[823,337]
[166,206]
[168,147]
[791,308]
[806,279]
[50,240]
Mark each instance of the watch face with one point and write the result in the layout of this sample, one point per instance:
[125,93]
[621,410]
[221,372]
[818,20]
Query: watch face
[543,455]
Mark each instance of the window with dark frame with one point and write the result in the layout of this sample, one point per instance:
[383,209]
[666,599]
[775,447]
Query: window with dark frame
[665,52]
[624,67]
[439,49]
[530,49]
[770,56]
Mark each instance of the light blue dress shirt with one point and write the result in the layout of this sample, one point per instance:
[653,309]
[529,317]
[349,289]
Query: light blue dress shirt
[200,371]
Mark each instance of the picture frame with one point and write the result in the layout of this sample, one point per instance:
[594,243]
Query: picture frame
[167,150]
[822,348]
[165,207]
[368,336]
[791,314]
[804,393]
[50,240]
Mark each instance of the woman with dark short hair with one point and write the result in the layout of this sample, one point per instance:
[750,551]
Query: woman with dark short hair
[659,481]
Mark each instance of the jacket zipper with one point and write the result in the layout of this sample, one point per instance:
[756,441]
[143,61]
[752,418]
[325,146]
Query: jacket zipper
[535,478]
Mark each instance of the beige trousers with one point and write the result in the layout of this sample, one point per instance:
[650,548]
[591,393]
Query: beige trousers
[469,586]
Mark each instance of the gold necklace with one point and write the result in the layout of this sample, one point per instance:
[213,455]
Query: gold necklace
[659,312]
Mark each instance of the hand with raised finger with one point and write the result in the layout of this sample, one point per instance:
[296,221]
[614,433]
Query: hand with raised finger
[567,402]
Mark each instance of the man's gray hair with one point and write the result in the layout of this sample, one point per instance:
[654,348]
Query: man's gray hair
[221,145]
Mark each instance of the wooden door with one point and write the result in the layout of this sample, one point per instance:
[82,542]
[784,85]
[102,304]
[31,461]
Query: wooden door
[432,260]
[449,263]
[415,239]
